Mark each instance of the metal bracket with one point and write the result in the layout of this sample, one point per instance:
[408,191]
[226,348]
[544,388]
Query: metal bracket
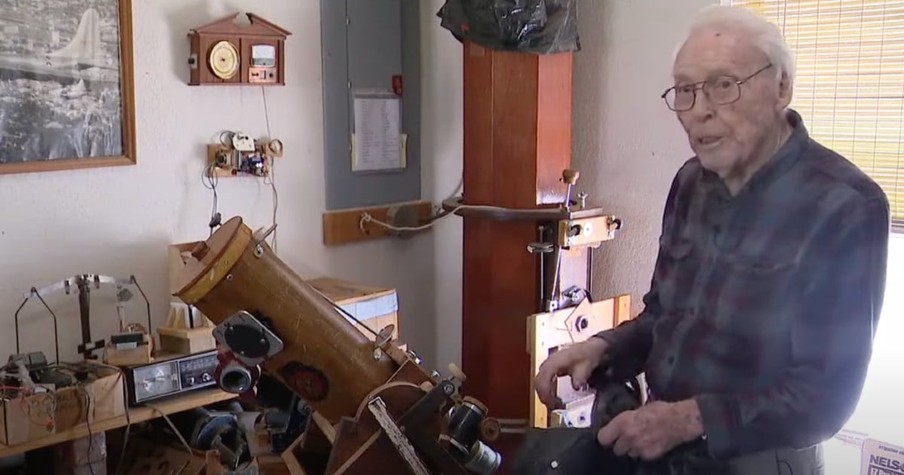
[249,339]
[403,445]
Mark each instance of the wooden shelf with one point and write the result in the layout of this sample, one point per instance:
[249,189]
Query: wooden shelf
[169,406]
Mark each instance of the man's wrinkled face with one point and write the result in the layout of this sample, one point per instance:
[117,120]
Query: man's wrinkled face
[727,138]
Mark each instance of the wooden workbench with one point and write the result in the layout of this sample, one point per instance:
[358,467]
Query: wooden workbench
[168,406]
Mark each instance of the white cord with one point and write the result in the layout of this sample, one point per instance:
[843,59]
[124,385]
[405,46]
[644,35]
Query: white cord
[271,176]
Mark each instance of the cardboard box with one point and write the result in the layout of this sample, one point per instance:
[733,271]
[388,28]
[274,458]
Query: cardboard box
[373,306]
[23,419]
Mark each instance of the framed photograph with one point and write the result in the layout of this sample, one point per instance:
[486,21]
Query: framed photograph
[66,85]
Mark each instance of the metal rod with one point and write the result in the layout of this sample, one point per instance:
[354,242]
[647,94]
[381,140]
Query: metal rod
[553,293]
[84,306]
[542,258]
[56,333]
[18,350]
[589,270]
[146,301]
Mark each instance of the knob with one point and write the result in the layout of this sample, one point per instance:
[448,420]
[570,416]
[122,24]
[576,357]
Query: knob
[190,380]
[570,176]
[200,250]
[456,372]
[206,377]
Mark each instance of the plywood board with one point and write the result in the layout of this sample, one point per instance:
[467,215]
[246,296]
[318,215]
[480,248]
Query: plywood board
[548,332]
[346,226]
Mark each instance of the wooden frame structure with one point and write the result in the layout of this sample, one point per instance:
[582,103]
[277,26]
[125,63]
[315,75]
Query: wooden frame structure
[549,332]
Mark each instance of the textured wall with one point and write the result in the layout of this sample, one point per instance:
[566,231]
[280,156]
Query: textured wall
[627,144]
[442,130]
[119,220]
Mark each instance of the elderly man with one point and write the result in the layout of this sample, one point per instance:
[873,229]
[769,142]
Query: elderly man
[756,333]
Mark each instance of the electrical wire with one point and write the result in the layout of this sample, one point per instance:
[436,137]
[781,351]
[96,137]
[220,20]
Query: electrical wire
[173,427]
[210,180]
[271,180]
[271,176]
[125,440]
[88,425]
[349,315]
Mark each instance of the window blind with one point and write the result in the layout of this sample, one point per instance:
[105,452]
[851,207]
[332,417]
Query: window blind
[850,80]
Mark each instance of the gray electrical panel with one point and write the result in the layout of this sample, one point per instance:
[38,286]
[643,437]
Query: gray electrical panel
[371,48]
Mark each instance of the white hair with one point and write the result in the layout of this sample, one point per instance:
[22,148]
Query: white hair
[765,35]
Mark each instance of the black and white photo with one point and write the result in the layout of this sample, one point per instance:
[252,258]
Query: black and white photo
[63,91]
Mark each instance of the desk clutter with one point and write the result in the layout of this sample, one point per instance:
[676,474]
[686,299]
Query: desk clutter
[141,399]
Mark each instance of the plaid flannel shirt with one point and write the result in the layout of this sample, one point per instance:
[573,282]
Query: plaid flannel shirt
[763,305]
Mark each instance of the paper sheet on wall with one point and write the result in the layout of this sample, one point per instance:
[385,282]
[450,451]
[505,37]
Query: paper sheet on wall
[378,143]
[879,458]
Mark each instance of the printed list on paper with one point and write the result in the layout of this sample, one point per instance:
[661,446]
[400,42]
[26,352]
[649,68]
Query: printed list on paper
[378,137]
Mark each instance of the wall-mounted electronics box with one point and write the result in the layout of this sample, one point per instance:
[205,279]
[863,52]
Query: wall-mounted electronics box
[228,53]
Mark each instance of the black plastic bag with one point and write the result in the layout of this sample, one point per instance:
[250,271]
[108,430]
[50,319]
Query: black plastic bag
[529,26]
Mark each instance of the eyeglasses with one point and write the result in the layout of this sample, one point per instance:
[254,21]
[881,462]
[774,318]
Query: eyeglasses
[720,90]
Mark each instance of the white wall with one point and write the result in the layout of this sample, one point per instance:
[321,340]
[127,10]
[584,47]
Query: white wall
[627,145]
[118,221]
[442,126]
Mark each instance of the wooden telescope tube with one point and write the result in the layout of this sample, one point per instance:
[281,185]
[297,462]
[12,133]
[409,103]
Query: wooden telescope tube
[325,359]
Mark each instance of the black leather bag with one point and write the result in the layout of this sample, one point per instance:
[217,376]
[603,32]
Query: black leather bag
[575,451]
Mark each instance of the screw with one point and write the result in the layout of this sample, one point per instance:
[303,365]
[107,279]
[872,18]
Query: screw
[583,197]
[554,464]
[376,353]
[229,277]
[263,340]
[448,389]
[435,374]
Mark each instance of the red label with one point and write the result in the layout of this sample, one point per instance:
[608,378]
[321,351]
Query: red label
[397,85]
[308,382]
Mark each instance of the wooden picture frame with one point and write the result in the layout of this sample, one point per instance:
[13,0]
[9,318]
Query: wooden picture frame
[66,86]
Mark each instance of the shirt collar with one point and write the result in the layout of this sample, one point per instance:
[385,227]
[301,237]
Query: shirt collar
[783,160]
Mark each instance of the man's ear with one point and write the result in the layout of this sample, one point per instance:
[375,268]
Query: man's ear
[785,91]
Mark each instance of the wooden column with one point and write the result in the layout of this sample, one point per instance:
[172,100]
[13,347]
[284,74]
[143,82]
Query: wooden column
[517,142]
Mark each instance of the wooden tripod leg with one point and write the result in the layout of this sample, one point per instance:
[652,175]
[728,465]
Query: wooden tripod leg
[310,453]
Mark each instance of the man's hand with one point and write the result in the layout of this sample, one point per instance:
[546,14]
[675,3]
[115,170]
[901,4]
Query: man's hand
[578,361]
[652,430]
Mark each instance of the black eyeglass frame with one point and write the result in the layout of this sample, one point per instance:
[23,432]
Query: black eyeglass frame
[700,85]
